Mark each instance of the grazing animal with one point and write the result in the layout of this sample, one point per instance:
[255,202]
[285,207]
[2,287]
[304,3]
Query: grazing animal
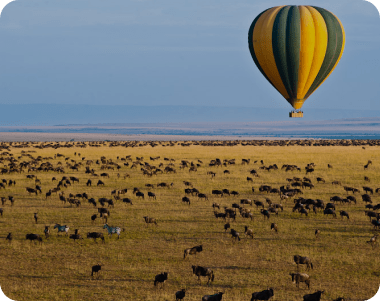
[185,199]
[235,234]
[303,260]
[192,251]
[100,182]
[112,230]
[127,201]
[215,297]
[140,194]
[96,269]
[47,231]
[265,213]
[329,211]
[33,237]
[180,294]
[202,271]
[36,217]
[75,236]
[9,237]
[373,240]
[161,278]
[1,212]
[149,220]
[344,213]
[317,232]
[95,235]
[226,227]
[248,232]
[274,227]
[62,229]
[263,295]
[300,277]
[151,195]
[313,297]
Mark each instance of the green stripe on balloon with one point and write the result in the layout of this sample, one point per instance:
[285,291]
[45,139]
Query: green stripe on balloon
[334,48]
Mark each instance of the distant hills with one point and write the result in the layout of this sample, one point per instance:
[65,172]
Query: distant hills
[52,114]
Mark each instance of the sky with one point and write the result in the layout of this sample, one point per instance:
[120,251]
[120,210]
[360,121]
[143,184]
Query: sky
[168,52]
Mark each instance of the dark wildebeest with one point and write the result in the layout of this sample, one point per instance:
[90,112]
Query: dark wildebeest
[47,231]
[75,236]
[235,234]
[100,182]
[32,237]
[313,297]
[226,227]
[321,180]
[300,277]
[217,192]
[31,190]
[303,260]
[185,199]
[201,271]
[274,227]
[1,212]
[149,220]
[95,235]
[317,232]
[9,237]
[265,213]
[368,189]
[151,195]
[140,194]
[192,251]
[215,297]
[373,240]
[329,211]
[96,269]
[344,213]
[127,201]
[161,278]
[180,294]
[89,182]
[263,295]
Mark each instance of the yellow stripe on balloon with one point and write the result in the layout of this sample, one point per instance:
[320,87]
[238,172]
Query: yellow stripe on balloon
[307,49]
[262,45]
[340,55]
[321,39]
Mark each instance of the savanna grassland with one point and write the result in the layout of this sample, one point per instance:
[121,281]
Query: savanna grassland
[60,269]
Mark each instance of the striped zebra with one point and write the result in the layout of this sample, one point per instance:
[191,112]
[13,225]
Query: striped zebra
[112,230]
[63,228]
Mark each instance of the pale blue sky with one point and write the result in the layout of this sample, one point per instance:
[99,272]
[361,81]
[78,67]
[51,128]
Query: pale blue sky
[167,52]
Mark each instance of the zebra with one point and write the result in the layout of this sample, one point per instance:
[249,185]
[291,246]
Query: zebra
[63,228]
[112,230]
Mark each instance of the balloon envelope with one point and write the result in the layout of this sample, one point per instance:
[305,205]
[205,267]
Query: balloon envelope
[296,48]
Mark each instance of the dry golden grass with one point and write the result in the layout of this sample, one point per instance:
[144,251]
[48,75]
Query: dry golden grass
[344,264]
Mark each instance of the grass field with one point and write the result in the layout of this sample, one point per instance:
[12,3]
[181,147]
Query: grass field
[60,269]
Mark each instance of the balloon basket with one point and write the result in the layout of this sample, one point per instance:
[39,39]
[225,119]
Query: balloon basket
[296,114]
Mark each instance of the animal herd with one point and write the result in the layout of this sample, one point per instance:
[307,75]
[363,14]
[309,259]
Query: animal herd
[239,210]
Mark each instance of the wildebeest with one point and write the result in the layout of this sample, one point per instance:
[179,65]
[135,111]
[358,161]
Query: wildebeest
[161,278]
[63,228]
[96,269]
[31,190]
[274,227]
[127,201]
[303,260]
[112,230]
[265,213]
[344,213]
[47,231]
[329,211]
[95,235]
[217,192]
[373,240]
[150,220]
[36,217]
[140,194]
[313,297]
[317,232]
[202,271]
[33,237]
[9,237]
[75,236]
[235,234]
[151,195]
[215,297]
[300,277]
[192,251]
[263,295]
[100,182]
[180,294]
[248,232]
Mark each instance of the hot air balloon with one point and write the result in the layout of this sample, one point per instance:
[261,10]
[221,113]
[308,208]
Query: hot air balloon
[296,48]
